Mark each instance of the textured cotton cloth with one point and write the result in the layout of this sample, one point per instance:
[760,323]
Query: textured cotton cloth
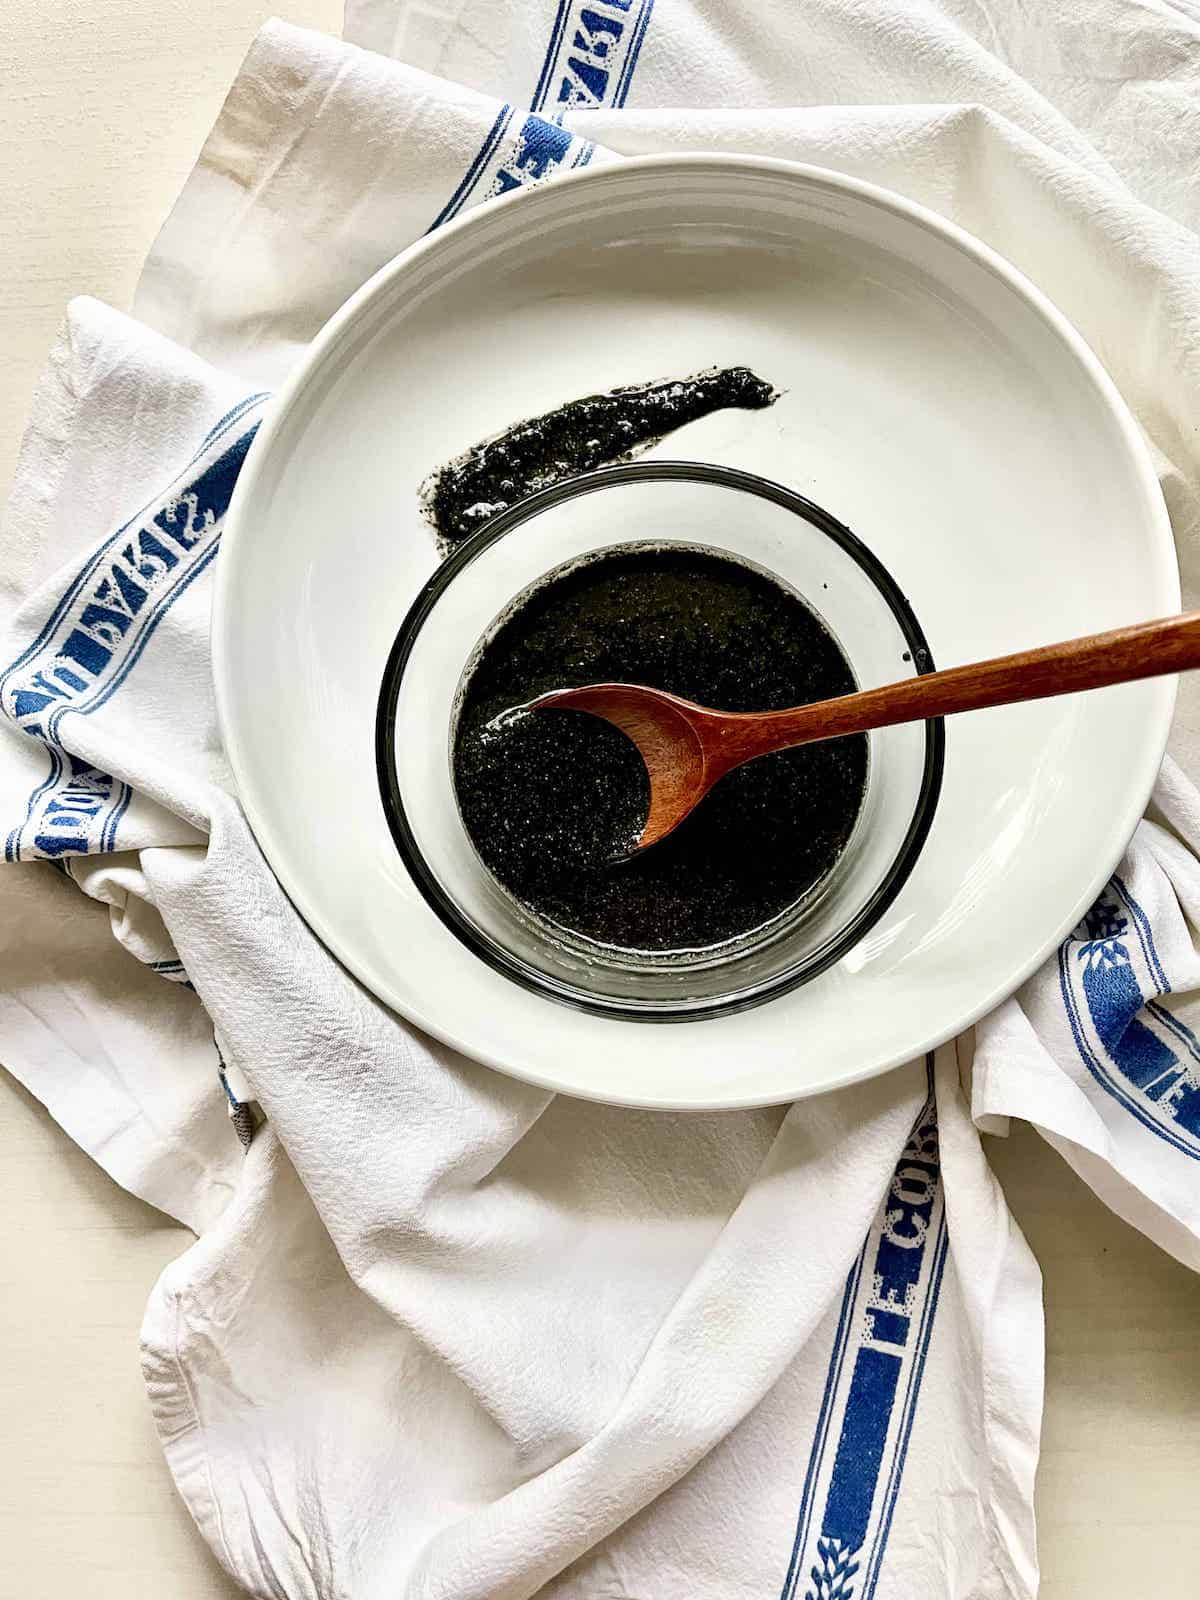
[443,1334]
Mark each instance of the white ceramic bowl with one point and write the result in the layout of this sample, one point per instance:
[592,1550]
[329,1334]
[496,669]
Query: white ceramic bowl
[934,401]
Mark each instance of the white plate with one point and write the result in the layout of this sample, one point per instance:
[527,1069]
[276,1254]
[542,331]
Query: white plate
[934,401]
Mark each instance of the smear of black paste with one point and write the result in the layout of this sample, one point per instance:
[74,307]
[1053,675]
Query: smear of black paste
[595,431]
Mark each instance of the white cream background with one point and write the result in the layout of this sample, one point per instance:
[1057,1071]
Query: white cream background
[103,106]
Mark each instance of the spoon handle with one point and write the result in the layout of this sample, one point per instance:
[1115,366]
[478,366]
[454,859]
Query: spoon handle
[1145,650]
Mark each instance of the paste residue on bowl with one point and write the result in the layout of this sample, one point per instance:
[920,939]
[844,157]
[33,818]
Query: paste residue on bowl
[460,497]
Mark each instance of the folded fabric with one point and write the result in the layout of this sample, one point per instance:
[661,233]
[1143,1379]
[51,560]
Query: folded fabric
[1111,86]
[444,1334]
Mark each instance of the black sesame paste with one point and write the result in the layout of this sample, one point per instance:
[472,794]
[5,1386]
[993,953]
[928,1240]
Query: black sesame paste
[550,798]
[593,432]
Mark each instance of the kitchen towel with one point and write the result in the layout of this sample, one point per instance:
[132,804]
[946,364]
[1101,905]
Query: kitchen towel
[442,1334]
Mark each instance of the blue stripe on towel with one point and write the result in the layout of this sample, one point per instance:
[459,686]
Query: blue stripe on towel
[98,630]
[471,177]
[873,1384]
[1145,933]
[89,566]
[556,33]
[1110,988]
[832,1378]
[591,55]
[635,50]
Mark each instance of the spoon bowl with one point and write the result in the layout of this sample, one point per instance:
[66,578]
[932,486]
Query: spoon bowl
[667,733]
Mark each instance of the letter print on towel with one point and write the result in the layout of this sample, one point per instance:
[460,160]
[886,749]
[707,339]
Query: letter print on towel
[98,629]
[516,154]
[592,55]
[590,61]
[1143,1055]
[873,1384]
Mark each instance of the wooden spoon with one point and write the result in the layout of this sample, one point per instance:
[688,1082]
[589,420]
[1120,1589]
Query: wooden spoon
[687,748]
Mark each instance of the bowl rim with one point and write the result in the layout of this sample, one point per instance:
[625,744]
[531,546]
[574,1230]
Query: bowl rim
[511,965]
[239,528]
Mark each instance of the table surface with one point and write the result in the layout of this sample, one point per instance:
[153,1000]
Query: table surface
[100,122]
